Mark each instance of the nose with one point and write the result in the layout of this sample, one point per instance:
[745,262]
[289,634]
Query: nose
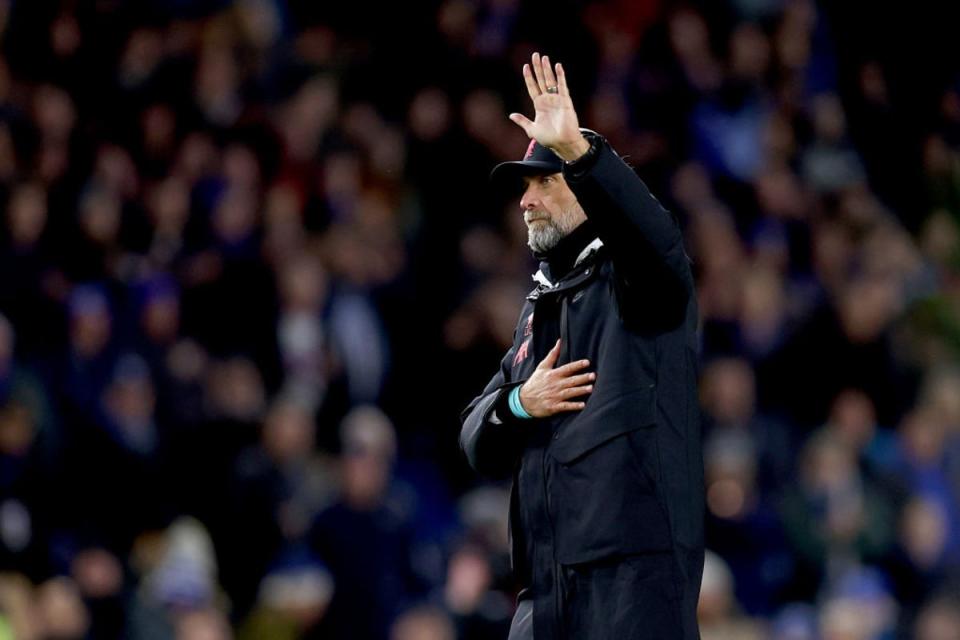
[531,198]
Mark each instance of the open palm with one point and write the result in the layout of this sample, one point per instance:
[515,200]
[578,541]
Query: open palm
[555,123]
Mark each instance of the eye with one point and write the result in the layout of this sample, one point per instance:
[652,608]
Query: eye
[547,179]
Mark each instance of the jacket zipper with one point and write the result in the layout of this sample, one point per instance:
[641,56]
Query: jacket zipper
[557,568]
[564,338]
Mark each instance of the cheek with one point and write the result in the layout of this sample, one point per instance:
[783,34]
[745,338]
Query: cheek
[552,206]
[567,218]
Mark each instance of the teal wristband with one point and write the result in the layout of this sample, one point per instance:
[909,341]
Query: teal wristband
[515,407]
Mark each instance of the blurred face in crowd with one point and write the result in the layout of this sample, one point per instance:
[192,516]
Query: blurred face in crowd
[550,210]
[27,214]
[938,621]
[60,610]
[160,318]
[366,474]
[923,434]
[728,392]
[369,449]
[17,430]
[288,433]
[303,284]
[468,579]
[842,620]
[98,573]
[749,53]
[924,528]
[234,216]
[235,390]
[730,463]
[169,205]
[866,308]
[90,330]
[827,466]
[429,115]
[205,624]
[100,217]
[423,624]
[131,399]
[853,418]
[54,113]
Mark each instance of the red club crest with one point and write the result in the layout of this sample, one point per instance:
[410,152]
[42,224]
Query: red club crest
[529,152]
[522,352]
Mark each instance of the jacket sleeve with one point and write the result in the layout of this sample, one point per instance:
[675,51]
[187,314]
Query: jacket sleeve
[491,436]
[643,238]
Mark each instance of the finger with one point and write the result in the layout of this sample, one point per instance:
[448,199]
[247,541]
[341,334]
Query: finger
[549,79]
[538,71]
[530,81]
[583,378]
[572,367]
[574,392]
[551,358]
[562,81]
[523,122]
[570,406]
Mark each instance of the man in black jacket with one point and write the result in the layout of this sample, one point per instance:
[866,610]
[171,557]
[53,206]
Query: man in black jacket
[594,409]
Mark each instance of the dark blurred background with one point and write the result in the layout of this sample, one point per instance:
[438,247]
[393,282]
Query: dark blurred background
[252,270]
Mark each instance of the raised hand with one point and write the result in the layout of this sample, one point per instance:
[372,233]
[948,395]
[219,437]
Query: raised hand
[548,391]
[555,123]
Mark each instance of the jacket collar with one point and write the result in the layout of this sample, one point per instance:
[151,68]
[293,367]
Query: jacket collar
[541,278]
[573,278]
[562,257]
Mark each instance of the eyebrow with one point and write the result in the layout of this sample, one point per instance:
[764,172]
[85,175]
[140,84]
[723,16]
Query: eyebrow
[538,177]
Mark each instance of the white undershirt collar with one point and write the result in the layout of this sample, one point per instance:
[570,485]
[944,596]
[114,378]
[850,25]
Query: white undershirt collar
[540,278]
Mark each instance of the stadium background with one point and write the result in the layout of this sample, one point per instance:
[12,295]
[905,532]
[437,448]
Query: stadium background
[252,270]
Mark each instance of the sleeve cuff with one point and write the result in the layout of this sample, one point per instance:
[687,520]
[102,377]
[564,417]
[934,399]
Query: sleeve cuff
[578,168]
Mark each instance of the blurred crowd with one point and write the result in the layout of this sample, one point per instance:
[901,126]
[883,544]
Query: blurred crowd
[252,270]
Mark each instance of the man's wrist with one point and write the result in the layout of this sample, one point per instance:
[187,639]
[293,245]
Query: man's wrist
[577,168]
[516,407]
[572,151]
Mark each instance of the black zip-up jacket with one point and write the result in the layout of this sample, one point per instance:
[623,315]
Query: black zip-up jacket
[606,513]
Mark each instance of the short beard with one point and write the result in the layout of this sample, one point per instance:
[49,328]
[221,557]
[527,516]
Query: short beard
[545,236]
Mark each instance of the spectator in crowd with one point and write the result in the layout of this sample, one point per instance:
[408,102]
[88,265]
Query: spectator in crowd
[478,610]
[278,487]
[939,620]
[833,516]
[365,536]
[423,624]
[178,583]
